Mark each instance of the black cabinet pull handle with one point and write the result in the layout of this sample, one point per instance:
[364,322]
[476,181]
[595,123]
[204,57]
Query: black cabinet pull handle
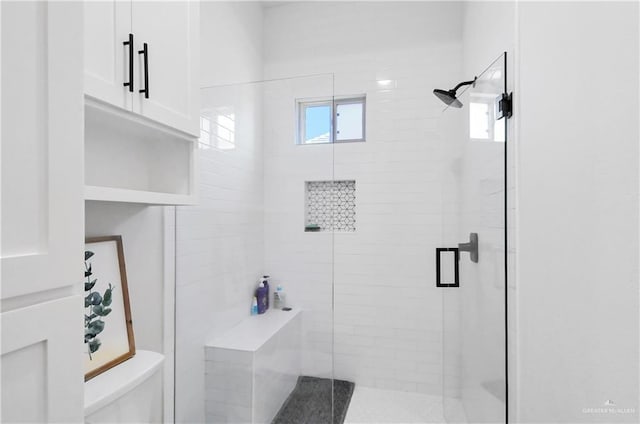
[130,44]
[145,53]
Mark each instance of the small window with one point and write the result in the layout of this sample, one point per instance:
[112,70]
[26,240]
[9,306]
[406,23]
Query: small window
[329,121]
[315,122]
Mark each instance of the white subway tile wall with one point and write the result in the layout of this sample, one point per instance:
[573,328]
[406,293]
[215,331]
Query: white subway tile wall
[219,247]
[387,310]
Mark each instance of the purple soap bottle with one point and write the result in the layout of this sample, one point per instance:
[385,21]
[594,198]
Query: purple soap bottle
[262,296]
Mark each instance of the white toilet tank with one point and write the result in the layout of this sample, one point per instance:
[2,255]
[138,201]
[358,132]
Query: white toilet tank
[130,392]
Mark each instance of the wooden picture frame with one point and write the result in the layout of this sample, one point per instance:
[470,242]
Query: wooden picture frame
[109,338]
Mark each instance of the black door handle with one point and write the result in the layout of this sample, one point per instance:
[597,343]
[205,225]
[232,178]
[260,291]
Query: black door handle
[456,269]
[145,53]
[130,44]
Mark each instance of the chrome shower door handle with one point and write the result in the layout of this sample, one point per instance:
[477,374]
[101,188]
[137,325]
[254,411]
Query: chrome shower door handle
[456,269]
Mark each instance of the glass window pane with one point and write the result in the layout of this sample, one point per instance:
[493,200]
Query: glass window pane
[317,124]
[349,119]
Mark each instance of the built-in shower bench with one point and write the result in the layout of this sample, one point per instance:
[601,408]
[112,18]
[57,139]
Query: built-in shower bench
[252,368]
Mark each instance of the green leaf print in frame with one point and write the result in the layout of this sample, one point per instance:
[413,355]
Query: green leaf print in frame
[108,329]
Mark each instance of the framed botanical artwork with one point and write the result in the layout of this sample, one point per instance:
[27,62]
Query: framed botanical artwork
[108,329]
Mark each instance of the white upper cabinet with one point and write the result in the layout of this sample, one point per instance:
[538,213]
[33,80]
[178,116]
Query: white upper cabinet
[107,25]
[42,158]
[170,30]
[164,74]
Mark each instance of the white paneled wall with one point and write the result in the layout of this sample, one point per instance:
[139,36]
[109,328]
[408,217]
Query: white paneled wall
[388,316]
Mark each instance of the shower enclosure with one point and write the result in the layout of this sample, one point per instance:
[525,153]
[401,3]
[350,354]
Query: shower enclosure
[347,219]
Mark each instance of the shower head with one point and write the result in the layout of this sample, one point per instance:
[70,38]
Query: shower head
[449,96]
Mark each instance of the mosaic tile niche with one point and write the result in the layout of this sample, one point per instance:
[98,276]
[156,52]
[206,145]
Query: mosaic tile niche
[330,206]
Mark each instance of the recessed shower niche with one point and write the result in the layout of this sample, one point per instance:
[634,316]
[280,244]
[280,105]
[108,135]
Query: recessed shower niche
[330,206]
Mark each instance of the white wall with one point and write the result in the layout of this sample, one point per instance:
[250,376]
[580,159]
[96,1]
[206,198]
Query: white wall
[231,42]
[219,243]
[577,247]
[388,316]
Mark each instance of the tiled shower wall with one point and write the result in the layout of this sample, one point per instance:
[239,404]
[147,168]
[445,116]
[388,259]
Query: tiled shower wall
[219,243]
[219,246]
[388,312]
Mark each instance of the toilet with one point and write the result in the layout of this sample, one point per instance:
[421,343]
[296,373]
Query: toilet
[130,392]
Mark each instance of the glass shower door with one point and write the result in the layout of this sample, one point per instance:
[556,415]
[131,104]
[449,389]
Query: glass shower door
[473,266]
[253,218]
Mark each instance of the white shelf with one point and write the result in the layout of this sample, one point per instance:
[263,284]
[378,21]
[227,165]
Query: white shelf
[110,385]
[112,194]
[131,159]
